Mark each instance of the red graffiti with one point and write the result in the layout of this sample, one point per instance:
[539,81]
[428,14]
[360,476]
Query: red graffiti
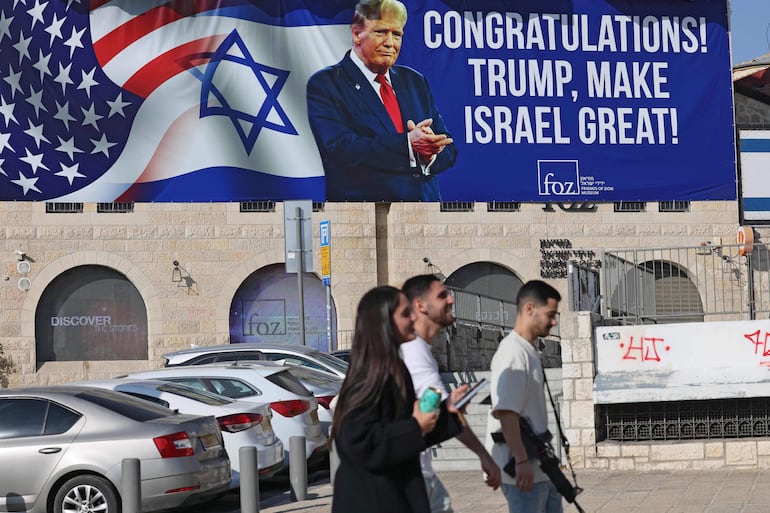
[645,350]
[760,343]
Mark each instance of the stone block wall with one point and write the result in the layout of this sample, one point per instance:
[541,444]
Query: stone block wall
[372,244]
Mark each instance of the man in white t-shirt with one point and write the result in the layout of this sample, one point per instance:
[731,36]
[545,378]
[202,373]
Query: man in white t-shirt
[518,391]
[432,308]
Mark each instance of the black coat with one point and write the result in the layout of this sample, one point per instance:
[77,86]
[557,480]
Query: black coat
[379,452]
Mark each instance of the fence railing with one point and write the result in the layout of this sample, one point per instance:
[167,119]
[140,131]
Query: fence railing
[709,282]
[483,310]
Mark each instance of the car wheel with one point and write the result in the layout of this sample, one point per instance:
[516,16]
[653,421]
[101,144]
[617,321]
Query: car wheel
[86,494]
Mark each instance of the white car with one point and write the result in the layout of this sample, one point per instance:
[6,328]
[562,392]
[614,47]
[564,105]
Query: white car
[294,354]
[295,409]
[243,424]
[324,386]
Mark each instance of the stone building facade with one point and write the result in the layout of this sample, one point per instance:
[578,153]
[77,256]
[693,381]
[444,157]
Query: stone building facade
[219,247]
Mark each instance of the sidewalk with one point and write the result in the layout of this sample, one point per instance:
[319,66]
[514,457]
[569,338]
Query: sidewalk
[712,491]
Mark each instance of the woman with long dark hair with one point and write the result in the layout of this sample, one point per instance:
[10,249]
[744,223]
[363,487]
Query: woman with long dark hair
[379,429]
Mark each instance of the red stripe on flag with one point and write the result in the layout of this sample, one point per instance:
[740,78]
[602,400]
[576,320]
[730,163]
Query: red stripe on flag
[111,44]
[154,73]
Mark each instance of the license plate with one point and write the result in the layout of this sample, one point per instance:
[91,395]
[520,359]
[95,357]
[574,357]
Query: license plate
[210,441]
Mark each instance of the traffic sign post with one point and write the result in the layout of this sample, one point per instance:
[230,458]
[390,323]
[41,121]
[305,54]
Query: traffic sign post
[325,236]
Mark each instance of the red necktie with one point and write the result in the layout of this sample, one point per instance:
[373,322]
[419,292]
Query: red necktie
[391,104]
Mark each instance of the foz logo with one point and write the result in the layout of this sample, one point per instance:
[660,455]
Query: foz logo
[558,178]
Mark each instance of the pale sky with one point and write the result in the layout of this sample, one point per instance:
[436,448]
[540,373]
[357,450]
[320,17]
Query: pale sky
[750,25]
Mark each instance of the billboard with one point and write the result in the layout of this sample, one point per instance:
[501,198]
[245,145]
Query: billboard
[548,100]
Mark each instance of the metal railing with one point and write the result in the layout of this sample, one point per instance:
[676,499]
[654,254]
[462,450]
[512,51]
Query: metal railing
[709,282]
[481,310]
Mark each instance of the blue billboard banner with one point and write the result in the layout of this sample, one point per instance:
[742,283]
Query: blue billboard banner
[240,100]
[581,100]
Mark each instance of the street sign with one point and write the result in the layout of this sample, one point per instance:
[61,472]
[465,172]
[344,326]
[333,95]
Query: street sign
[325,244]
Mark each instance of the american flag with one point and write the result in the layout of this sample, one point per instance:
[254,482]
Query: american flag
[182,100]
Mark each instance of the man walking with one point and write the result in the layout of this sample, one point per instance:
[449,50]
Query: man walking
[432,309]
[518,392]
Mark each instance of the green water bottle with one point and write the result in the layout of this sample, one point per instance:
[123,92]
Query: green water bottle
[430,400]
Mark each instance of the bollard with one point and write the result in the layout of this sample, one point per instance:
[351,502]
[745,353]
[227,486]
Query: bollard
[298,468]
[249,479]
[130,482]
[334,462]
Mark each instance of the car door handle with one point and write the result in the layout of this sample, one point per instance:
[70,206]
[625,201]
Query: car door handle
[49,450]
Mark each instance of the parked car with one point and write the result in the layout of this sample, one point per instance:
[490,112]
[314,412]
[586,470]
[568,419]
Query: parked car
[243,424]
[342,354]
[295,409]
[294,354]
[63,447]
[322,385]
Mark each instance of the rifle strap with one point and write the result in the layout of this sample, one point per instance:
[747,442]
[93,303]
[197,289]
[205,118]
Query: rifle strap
[562,437]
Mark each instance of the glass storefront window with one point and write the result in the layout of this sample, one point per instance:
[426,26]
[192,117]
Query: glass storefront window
[91,313]
[266,309]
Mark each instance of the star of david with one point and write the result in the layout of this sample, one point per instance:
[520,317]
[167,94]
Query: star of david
[270,115]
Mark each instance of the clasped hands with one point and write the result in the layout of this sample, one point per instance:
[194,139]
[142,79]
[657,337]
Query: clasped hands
[425,143]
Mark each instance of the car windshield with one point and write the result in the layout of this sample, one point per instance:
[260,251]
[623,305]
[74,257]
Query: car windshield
[317,378]
[202,396]
[333,361]
[136,409]
[285,380]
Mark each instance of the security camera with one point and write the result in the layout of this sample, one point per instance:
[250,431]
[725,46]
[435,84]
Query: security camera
[20,255]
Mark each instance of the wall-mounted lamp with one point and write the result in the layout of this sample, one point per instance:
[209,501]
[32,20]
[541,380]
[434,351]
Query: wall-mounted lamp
[176,273]
[182,278]
[430,268]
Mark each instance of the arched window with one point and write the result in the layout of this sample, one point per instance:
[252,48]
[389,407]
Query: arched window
[266,309]
[655,291]
[91,313]
[676,296]
[486,278]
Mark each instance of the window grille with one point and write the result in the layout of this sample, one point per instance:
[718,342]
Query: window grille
[122,207]
[457,206]
[685,420]
[63,208]
[673,206]
[503,206]
[257,206]
[630,206]
[318,206]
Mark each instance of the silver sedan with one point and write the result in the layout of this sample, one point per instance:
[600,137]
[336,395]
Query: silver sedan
[62,450]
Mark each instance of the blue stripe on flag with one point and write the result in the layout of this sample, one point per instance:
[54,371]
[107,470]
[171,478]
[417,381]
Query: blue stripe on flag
[227,184]
[755,145]
[756,204]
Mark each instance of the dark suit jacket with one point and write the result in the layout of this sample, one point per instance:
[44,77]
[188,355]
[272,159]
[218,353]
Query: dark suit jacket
[364,157]
[379,451]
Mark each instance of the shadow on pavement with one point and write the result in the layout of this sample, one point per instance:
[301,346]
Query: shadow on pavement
[274,492]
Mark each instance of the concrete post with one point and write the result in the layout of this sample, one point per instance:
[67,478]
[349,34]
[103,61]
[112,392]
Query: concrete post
[130,483]
[298,468]
[249,479]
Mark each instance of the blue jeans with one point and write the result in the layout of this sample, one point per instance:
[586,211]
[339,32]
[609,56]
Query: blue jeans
[544,498]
